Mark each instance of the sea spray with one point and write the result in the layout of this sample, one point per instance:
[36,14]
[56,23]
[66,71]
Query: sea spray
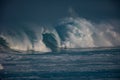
[82,33]
[70,32]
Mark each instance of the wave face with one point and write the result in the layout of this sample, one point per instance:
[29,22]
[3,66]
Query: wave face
[69,33]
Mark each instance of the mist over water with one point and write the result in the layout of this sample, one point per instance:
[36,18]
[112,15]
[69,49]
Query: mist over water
[79,32]
[70,32]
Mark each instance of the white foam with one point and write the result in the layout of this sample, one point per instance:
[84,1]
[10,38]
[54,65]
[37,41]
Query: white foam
[83,33]
[23,43]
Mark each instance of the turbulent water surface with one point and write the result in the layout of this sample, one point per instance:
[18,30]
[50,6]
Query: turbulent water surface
[70,32]
[66,64]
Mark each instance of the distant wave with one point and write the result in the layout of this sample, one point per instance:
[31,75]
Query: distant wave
[68,33]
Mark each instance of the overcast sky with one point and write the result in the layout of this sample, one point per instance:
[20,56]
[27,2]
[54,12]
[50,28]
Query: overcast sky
[49,11]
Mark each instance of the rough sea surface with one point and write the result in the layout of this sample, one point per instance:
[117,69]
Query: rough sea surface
[66,64]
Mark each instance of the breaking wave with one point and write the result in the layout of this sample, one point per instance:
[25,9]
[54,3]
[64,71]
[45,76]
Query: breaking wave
[68,33]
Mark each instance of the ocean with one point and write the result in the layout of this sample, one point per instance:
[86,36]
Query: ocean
[59,40]
[64,64]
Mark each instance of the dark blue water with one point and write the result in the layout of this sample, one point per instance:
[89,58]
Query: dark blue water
[69,64]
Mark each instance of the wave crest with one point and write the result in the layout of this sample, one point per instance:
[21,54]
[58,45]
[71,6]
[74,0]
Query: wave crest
[69,33]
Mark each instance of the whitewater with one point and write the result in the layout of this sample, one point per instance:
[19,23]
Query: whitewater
[69,32]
